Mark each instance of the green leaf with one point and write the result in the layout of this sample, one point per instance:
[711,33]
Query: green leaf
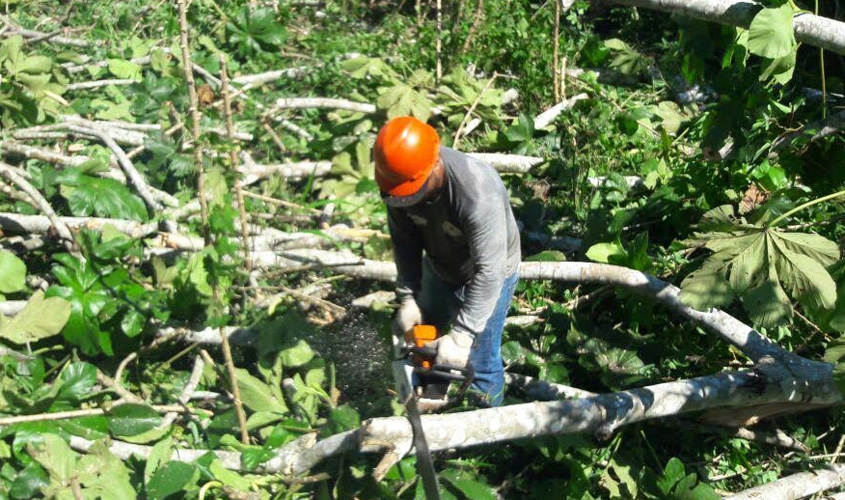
[124,69]
[77,380]
[159,454]
[707,287]
[762,265]
[12,273]
[170,478]
[296,355]
[780,69]
[28,483]
[88,195]
[468,485]
[54,454]
[36,64]
[40,318]
[771,33]
[343,418]
[132,419]
[403,100]
[256,395]
[604,252]
[547,256]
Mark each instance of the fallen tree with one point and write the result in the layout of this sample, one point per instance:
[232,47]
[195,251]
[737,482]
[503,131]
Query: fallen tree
[813,30]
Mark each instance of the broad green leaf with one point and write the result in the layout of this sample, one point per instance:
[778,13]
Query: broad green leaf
[55,455]
[766,303]
[403,100]
[159,454]
[104,475]
[132,419]
[124,69]
[296,355]
[468,485]
[77,380]
[547,256]
[228,477]
[89,195]
[28,482]
[40,318]
[93,427]
[172,477]
[12,273]
[761,265]
[256,395]
[36,64]
[707,287]
[343,418]
[780,69]
[604,252]
[771,33]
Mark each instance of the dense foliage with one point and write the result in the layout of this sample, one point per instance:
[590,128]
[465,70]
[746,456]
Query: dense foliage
[694,155]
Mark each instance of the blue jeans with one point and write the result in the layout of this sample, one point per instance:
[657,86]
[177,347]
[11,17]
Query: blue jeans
[440,303]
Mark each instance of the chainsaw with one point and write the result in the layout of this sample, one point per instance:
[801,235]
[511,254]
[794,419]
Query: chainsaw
[424,384]
[416,373]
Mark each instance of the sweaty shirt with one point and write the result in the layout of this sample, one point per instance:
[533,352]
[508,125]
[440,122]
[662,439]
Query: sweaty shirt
[468,233]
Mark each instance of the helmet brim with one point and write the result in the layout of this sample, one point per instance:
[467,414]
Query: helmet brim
[408,200]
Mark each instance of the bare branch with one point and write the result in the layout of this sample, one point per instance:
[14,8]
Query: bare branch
[796,486]
[9,172]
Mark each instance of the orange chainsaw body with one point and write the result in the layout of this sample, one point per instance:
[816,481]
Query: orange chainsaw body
[419,336]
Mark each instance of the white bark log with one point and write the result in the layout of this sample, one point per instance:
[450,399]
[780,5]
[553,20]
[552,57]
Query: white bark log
[9,172]
[796,486]
[600,415]
[254,172]
[12,307]
[43,154]
[12,148]
[95,84]
[742,336]
[270,76]
[321,102]
[509,164]
[545,118]
[810,29]
[542,390]
[39,224]
[632,181]
[138,181]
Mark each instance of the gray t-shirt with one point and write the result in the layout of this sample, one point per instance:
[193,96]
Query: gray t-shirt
[468,233]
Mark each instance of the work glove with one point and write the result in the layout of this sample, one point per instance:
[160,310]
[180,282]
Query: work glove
[453,348]
[408,316]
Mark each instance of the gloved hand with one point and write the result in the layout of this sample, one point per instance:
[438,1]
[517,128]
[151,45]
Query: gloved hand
[407,317]
[453,348]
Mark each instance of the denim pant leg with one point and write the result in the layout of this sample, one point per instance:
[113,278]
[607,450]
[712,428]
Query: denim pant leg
[486,355]
[437,299]
[440,302]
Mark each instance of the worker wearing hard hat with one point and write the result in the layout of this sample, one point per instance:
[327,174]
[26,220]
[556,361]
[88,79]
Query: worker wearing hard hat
[456,247]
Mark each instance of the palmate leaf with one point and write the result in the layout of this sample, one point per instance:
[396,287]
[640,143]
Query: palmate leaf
[403,100]
[762,266]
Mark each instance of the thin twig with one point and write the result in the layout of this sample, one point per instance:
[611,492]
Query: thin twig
[122,366]
[117,388]
[8,172]
[471,109]
[281,203]
[233,164]
[132,174]
[195,133]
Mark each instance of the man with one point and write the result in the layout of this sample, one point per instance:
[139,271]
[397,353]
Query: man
[456,247]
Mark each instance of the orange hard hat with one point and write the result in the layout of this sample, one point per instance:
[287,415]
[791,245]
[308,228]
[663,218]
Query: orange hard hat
[406,151]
